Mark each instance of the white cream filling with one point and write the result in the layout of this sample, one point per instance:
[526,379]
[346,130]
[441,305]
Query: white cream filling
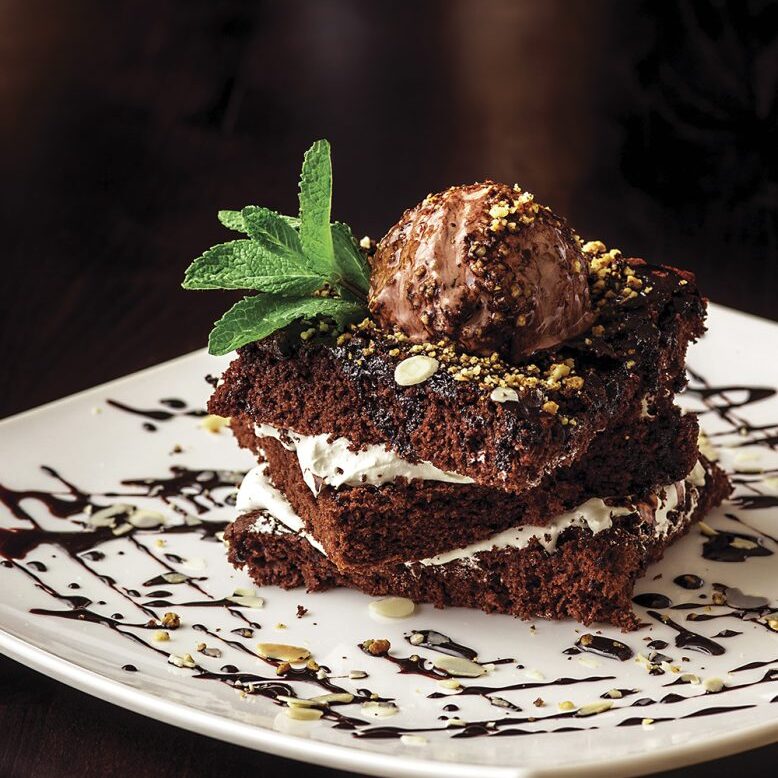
[593,515]
[258,492]
[332,462]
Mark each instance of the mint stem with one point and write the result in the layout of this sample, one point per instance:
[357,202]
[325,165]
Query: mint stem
[354,290]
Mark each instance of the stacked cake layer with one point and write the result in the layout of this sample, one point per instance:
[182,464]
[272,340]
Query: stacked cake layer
[539,486]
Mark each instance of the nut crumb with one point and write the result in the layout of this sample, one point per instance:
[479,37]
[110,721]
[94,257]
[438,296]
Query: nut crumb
[376,647]
[171,620]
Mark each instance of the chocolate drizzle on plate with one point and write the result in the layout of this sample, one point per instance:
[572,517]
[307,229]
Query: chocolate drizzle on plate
[652,600]
[733,547]
[725,401]
[437,641]
[688,639]
[604,646]
[178,409]
[689,581]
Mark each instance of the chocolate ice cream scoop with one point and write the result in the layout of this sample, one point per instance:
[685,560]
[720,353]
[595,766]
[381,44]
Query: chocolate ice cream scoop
[485,266]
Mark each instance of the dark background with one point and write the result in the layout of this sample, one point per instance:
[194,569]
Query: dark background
[125,126]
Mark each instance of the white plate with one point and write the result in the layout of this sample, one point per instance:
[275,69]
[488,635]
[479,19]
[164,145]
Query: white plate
[95,446]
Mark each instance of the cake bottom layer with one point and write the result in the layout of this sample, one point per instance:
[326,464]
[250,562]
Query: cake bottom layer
[584,574]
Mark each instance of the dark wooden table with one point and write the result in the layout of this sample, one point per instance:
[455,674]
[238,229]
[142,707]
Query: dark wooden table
[126,125]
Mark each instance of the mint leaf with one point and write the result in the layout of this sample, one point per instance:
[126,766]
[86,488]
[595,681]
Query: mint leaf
[350,264]
[315,204]
[254,318]
[273,233]
[246,264]
[232,220]
[287,259]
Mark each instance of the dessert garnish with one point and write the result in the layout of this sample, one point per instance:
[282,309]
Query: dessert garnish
[302,267]
[482,266]
[485,266]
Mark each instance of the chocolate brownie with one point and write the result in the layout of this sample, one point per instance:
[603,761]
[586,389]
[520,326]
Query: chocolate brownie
[588,577]
[365,525]
[552,405]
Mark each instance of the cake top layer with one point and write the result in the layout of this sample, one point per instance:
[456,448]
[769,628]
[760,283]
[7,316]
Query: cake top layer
[504,425]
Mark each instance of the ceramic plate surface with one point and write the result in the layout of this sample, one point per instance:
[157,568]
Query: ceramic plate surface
[79,585]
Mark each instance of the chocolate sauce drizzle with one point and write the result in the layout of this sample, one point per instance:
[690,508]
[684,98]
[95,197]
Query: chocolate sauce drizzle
[689,581]
[652,600]
[688,639]
[715,399]
[602,646]
[436,641]
[178,409]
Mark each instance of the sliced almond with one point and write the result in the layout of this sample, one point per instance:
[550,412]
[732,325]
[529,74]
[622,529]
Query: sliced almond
[458,666]
[594,707]
[247,601]
[413,740]
[143,519]
[214,423]
[182,661]
[326,699]
[283,652]
[504,394]
[106,517]
[379,709]
[713,684]
[415,370]
[298,702]
[392,607]
[174,578]
[303,714]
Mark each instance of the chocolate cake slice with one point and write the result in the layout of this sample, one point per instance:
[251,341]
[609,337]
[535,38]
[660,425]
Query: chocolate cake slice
[375,524]
[583,564]
[476,411]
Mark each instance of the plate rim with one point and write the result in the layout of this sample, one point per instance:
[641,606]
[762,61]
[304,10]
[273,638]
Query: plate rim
[267,740]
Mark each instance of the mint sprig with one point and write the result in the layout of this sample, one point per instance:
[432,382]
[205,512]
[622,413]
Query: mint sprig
[288,260]
[254,318]
[315,205]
